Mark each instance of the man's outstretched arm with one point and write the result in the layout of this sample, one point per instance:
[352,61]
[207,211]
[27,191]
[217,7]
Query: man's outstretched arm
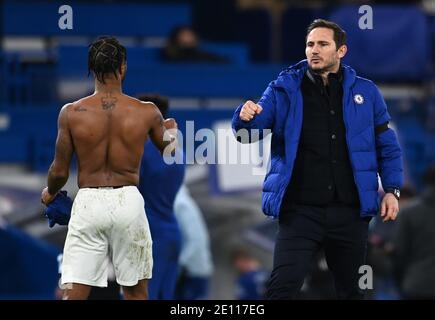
[162,138]
[251,115]
[59,170]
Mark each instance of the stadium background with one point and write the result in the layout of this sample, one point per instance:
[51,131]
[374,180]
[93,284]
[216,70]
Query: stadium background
[42,67]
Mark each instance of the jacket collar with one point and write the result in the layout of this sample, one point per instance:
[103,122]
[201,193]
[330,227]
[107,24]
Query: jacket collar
[291,77]
[317,79]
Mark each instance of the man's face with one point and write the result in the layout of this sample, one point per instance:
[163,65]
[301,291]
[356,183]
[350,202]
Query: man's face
[187,39]
[321,51]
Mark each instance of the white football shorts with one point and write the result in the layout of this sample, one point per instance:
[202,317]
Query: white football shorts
[107,224]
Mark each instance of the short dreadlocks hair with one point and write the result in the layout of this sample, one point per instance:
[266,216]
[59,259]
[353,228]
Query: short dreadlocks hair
[106,55]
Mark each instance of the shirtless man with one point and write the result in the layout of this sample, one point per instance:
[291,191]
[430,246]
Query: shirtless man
[107,132]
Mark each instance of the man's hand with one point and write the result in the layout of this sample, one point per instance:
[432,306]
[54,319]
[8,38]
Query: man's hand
[171,126]
[249,110]
[59,209]
[46,198]
[170,123]
[389,207]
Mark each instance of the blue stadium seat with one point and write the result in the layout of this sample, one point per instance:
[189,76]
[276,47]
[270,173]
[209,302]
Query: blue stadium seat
[27,126]
[151,56]
[43,153]
[202,81]
[254,27]
[40,18]
[15,148]
[237,53]
[72,59]
[377,53]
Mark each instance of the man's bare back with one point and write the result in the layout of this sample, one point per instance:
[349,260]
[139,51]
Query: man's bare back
[108,131]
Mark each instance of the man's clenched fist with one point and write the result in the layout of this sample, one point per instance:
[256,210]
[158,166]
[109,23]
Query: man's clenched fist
[249,110]
[170,123]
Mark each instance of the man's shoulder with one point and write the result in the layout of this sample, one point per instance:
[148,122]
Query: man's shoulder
[66,107]
[81,101]
[76,104]
[365,82]
[143,105]
[366,87]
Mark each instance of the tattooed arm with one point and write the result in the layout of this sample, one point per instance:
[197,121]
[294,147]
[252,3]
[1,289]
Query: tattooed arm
[59,169]
[163,132]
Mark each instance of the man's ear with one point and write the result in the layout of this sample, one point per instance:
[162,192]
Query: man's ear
[342,51]
[123,68]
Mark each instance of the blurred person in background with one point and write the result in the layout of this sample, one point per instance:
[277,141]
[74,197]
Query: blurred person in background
[252,278]
[196,265]
[159,184]
[414,244]
[330,140]
[380,248]
[184,46]
[107,132]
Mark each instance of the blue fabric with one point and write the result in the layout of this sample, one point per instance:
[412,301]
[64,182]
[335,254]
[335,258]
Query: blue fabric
[59,210]
[159,184]
[193,288]
[369,153]
[28,266]
[252,285]
[166,250]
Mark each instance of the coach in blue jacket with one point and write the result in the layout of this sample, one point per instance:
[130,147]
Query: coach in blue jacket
[330,141]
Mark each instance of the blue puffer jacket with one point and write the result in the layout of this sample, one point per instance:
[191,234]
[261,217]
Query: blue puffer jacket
[363,109]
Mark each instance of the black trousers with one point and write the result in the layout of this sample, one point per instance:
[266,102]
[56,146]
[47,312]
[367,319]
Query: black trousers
[303,230]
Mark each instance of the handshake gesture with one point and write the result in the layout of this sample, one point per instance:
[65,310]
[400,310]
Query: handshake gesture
[249,110]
